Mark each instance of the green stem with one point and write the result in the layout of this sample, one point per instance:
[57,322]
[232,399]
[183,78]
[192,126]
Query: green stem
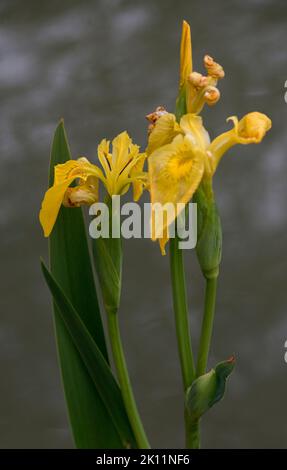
[124,380]
[183,334]
[192,434]
[181,314]
[207,325]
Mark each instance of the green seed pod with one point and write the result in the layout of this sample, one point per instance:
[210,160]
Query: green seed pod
[209,233]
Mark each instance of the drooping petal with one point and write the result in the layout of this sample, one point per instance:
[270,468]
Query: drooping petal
[249,130]
[166,128]
[175,171]
[64,175]
[51,205]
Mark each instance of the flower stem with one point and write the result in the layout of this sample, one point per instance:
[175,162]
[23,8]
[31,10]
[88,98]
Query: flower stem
[124,380]
[207,325]
[192,433]
[183,333]
[181,313]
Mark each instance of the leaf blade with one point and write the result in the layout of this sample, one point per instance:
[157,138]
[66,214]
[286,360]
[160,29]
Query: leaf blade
[70,265]
[93,359]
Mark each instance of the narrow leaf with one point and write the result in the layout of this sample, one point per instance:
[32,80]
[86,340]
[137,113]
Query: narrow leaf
[94,361]
[71,267]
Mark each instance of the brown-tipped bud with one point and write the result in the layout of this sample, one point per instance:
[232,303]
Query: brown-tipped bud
[213,69]
[198,80]
[211,95]
[155,115]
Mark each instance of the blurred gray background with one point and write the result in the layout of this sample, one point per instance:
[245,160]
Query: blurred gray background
[103,65]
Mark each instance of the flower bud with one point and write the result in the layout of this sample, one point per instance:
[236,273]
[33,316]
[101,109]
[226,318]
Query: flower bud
[209,244]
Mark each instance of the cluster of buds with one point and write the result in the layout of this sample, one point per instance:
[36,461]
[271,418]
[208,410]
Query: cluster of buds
[202,89]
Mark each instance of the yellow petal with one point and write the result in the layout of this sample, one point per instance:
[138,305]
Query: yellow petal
[249,130]
[185,54]
[120,155]
[166,128]
[104,155]
[252,128]
[80,168]
[64,171]
[136,171]
[65,174]
[51,205]
[122,169]
[191,124]
[175,171]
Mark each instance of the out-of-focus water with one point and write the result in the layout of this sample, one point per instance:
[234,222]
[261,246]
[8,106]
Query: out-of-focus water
[103,65]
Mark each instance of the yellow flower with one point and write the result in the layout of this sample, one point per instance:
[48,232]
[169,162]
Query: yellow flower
[121,168]
[180,155]
[177,160]
[196,89]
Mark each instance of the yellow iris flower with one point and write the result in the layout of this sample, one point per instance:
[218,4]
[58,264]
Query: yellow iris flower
[181,155]
[120,168]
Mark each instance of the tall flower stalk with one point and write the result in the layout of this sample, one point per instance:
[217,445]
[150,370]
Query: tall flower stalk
[120,168]
[182,162]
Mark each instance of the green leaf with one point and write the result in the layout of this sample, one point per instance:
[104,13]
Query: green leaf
[94,361]
[208,389]
[71,266]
